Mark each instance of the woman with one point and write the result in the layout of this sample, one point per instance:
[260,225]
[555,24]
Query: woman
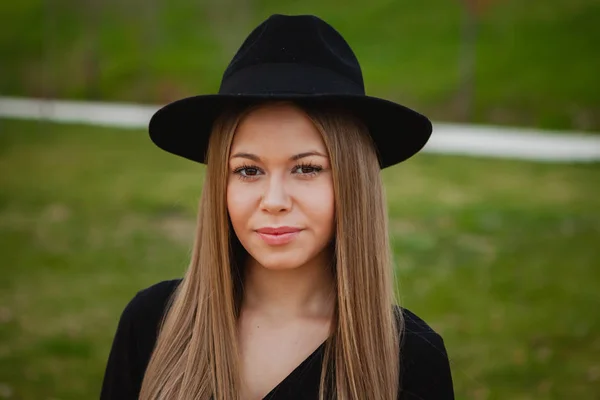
[289,293]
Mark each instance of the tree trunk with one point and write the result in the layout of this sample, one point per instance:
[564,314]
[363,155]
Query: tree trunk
[47,87]
[467,62]
[91,61]
[151,35]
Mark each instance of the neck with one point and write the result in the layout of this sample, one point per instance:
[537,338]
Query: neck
[307,290]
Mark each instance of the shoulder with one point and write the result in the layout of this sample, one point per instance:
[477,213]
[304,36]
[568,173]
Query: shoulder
[142,315]
[419,341]
[145,310]
[424,362]
[134,341]
[151,300]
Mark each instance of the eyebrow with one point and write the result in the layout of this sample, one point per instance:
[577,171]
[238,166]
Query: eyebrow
[296,157]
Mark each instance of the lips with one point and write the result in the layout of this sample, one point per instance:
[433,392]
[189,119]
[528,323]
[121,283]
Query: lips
[278,236]
[278,231]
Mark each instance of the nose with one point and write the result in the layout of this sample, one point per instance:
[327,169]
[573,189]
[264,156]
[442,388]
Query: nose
[276,199]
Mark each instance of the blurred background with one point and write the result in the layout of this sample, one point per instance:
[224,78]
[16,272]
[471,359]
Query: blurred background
[501,256]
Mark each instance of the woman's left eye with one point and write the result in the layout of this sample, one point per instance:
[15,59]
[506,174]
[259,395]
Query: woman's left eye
[307,169]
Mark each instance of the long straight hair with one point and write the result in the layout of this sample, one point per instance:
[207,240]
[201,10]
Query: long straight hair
[196,355]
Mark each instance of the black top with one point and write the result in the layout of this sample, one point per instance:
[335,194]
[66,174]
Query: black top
[424,364]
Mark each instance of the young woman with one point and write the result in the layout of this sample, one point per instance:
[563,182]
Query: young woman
[289,293]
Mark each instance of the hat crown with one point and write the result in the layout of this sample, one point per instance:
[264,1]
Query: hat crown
[298,58]
[304,40]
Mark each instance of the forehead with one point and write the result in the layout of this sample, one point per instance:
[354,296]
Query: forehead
[277,129]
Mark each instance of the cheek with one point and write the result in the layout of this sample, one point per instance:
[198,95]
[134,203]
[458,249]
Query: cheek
[318,204]
[239,205]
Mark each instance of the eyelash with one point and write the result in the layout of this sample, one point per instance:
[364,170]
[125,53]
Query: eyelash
[316,169]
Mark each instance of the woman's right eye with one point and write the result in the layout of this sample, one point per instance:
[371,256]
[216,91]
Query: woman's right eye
[247,172]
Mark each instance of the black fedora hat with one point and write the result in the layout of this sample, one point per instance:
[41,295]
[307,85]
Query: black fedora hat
[292,58]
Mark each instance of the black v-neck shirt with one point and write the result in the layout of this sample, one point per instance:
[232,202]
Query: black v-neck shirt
[424,365]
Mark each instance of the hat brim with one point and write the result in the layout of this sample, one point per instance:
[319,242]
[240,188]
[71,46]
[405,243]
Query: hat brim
[183,127]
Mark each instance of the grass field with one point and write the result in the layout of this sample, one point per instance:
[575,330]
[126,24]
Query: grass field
[536,64]
[501,257]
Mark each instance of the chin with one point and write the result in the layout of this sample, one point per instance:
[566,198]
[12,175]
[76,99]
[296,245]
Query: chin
[280,262]
[286,257]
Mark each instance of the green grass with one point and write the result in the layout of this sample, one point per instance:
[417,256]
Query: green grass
[536,64]
[501,257]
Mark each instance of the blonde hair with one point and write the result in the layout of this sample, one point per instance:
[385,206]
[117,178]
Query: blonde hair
[196,353]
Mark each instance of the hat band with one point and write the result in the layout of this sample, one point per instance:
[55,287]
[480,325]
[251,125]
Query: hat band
[287,78]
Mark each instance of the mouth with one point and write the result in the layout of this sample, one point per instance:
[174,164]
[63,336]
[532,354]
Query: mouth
[279,235]
[282,230]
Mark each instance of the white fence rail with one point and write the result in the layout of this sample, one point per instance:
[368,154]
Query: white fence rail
[472,140]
